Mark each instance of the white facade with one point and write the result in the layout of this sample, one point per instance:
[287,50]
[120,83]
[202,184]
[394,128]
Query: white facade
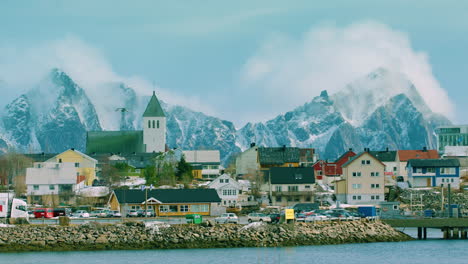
[209,160]
[154,134]
[247,161]
[227,188]
[51,178]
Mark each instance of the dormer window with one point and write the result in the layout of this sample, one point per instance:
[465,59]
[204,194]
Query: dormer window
[298,176]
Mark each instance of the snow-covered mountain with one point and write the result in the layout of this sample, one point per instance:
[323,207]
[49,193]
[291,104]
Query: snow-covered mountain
[382,109]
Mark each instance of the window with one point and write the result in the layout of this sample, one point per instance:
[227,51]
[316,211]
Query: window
[354,197]
[221,180]
[297,199]
[77,164]
[377,197]
[372,174]
[359,197]
[51,187]
[278,188]
[289,199]
[184,208]
[372,197]
[60,160]
[307,186]
[356,186]
[226,180]
[199,208]
[447,170]
[298,176]
[153,124]
[157,124]
[36,187]
[451,180]
[173,208]
[163,208]
[308,199]
[395,207]
[278,198]
[376,173]
[430,170]
[375,186]
[357,174]
[294,188]
[363,162]
[367,162]
[443,180]
[149,123]
[394,168]
[418,170]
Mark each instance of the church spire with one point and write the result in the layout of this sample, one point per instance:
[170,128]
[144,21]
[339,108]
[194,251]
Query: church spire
[154,108]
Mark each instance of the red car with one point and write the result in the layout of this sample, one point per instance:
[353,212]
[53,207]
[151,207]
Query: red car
[43,213]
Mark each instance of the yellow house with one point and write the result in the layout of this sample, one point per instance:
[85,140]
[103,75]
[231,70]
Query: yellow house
[166,202]
[363,180]
[85,164]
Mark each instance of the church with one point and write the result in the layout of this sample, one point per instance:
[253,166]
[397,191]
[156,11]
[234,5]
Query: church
[152,139]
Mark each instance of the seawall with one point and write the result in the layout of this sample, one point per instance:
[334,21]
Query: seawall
[135,235]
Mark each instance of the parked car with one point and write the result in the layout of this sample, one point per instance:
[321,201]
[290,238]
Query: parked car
[227,218]
[275,218]
[300,217]
[132,213]
[149,213]
[43,213]
[31,214]
[258,217]
[81,214]
[315,217]
[114,213]
[99,213]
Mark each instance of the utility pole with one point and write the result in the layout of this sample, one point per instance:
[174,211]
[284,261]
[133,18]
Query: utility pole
[449,194]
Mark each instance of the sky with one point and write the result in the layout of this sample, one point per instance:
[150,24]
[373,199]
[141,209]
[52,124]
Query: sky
[243,61]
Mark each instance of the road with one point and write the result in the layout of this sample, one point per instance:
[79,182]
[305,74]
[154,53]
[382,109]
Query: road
[169,220]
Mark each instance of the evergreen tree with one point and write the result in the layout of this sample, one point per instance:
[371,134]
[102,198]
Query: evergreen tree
[184,171]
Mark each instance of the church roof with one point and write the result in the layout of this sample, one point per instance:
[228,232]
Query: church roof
[154,108]
[114,142]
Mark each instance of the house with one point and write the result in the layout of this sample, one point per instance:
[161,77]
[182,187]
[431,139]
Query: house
[85,165]
[433,172]
[151,139]
[404,155]
[206,164]
[287,186]
[389,158]
[49,183]
[263,158]
[451,136]
[167,202]
[231,192]
[460,153]
[327,172]
[363,180]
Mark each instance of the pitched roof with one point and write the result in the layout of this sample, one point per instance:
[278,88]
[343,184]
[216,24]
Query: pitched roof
[349,152]
[384,156]
[114,142]
[279,155]
[433,163]
[154,108]
[405,155]
[169,195]
[76,151]
[351,159]
[291,175]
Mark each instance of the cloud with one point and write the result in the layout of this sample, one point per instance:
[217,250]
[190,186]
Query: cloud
[22,68]
[329,57]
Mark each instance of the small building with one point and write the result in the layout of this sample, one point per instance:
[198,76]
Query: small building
[287,186]
[433,172]
[404,155]
[85,165]
[363,180]
[389,158]
[167,202]
[451,136]
[228,189]
[327,172]
[205,163]
[50,183]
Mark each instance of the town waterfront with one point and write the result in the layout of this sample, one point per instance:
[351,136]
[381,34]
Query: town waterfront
[433,250]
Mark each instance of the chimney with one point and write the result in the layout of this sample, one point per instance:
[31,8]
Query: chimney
[350,149]
[284,147]
[424,149]
[252,144]
[386,150]
[73,149]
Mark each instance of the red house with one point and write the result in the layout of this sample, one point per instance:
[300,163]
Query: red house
[331,169]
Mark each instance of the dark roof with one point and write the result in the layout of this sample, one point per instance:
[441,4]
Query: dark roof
[433,163]
[280,155]
[169,195]
[291,175]
[114,142]
[385,156]
[154,108]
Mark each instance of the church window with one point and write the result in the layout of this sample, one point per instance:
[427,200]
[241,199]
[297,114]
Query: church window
[157,124]
[149,123]
[153,123]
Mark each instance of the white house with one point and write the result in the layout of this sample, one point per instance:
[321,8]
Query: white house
[228,189]
[52,179]
[206,163]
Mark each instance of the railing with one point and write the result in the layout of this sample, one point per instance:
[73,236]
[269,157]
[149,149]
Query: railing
[290,193]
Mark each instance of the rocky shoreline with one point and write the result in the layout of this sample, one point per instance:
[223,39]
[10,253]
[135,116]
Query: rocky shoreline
[136,235]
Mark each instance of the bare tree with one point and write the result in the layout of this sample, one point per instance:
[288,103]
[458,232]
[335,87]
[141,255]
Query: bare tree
[257,180]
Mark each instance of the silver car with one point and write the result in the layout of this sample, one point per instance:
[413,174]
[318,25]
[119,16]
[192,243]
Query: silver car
[258,217]
[227,218]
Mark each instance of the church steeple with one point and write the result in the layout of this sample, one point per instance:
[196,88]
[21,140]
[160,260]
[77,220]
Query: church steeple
[154,108]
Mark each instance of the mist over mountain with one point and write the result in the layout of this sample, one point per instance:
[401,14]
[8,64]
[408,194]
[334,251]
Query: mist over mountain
[382,109]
